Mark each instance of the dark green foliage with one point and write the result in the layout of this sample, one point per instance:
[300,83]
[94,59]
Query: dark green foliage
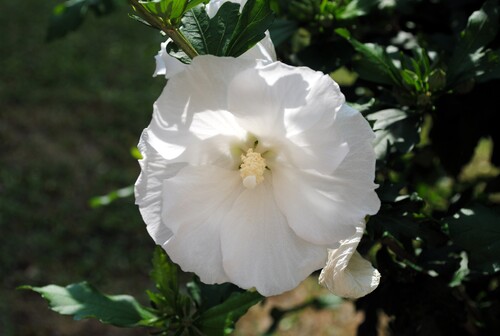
[477,231]
[429,70]
[70,14]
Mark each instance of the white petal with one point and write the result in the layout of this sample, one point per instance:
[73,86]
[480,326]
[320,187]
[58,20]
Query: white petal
[313,127]
[148,189]
[347,273]
[195,203]
[260,95]
[191,107]
[356,173]
[260,250]
[167,65]
[332,203]
[313,206]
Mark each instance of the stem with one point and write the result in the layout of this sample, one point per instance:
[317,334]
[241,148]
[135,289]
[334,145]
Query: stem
[173,32]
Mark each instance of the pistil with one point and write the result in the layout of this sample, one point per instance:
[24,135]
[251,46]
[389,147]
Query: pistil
[252,169]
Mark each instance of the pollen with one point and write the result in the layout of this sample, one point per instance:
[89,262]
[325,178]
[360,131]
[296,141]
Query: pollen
[252,169]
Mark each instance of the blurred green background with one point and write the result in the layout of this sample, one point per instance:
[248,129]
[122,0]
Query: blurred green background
[71,110]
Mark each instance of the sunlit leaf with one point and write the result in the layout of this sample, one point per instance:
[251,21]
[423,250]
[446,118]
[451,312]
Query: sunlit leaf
[375,64]
[481,29]
[396,129]
[83,301]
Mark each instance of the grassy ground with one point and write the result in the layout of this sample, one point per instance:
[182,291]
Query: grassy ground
[70,112]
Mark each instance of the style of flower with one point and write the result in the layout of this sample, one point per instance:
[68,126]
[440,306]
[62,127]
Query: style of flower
[251,170]
[169,66]
[347,274]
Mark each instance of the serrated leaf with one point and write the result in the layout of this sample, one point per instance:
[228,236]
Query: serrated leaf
[83,301]
[228,33]
[220,320]
[210,36]
[394,129]
[481,29]
[375,64]
[477,231]
[256,17]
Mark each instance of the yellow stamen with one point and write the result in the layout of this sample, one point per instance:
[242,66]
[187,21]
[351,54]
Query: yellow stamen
[252,169]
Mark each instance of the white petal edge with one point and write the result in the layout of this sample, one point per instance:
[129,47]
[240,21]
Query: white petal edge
[149,187]
[347,274]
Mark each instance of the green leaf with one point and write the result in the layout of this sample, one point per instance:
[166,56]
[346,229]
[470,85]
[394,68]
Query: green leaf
[253,22]
[356,8]
[166,9]
[477,231]
[488,67]
[220,320]
[83,301]
[208,296]
[164,275]
[375,64]
[481,29]
[194,3]
[228,33]
[210,36]
[394,129]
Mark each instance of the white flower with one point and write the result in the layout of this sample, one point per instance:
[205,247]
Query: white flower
[169,66]
[251,170]
[347,273]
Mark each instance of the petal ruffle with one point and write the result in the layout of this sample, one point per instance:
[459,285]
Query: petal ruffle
[149,188]
[165,64]
[347,273]
[260,250]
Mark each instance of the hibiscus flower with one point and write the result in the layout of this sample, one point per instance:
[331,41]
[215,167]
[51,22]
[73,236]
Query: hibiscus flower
[251,170]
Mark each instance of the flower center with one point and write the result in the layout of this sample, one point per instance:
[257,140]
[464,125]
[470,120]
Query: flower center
[252,169]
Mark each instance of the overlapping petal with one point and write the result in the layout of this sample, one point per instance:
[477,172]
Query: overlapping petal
[195,215]
[259,248]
